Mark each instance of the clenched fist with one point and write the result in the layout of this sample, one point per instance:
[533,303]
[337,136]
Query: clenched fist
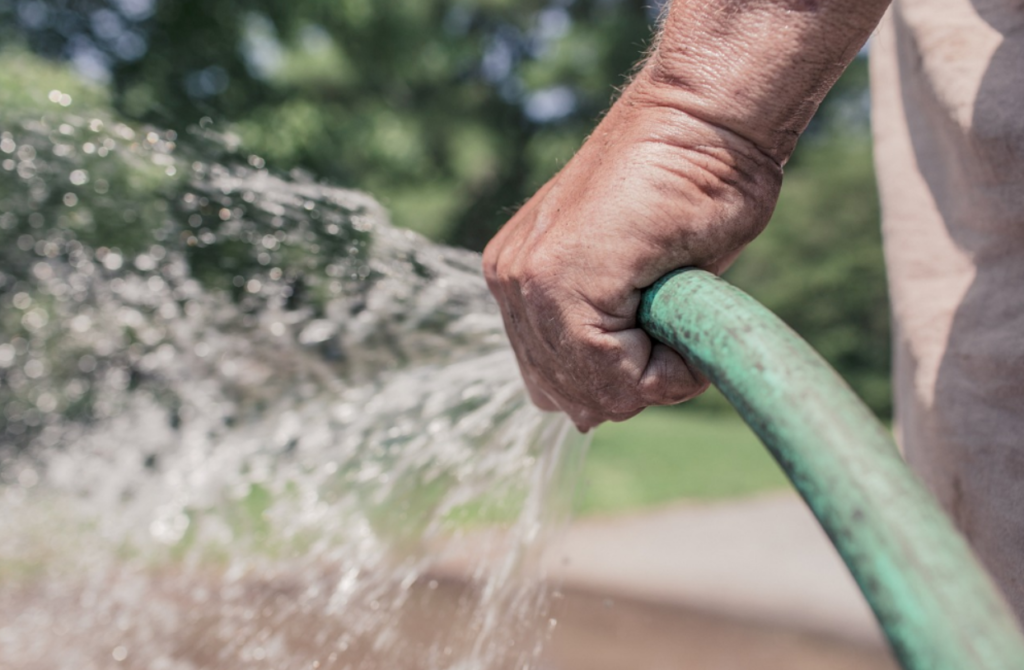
[654,189]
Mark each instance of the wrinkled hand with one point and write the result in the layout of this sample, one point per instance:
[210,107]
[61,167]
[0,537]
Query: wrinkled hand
[653,189]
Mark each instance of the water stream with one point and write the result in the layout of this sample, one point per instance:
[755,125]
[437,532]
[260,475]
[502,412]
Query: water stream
[245,422]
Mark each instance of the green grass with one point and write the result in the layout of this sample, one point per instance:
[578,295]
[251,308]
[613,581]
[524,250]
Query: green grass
[667,454]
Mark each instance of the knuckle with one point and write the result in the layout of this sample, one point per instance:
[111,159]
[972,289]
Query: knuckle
[678,392]
[533,275]
[494,269]
[625,416]
[490,269]
[610,400]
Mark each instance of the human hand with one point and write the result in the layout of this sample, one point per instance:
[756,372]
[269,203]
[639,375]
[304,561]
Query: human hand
[654,189]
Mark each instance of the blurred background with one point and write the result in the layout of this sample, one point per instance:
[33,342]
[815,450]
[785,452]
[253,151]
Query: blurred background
[451,113]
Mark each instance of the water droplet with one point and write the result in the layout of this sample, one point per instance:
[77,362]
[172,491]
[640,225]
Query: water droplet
[46,403]
[42,271]
[6,355]
[81,323]
[119,653]
[87,363]
[145,262]
[21,300]
[111,260]
[28,478]
[35,319]
[34,369]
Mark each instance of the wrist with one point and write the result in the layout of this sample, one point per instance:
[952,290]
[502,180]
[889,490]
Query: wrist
[756,69]
[649,113]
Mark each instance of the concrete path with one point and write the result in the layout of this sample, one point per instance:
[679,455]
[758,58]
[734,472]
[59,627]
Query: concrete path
[762,559]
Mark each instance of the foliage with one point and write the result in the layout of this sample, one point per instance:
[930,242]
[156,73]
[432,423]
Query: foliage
[453,111]
[449,111]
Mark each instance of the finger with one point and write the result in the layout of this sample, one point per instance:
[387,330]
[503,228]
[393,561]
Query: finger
[586,418]
[624,356]
[583,417]
[631,349]
[668,379]
[538,396]
[534,386]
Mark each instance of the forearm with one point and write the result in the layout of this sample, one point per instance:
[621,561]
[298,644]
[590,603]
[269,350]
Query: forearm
[757,68]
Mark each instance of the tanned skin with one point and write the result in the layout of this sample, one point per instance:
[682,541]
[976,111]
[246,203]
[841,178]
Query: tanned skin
[684,170]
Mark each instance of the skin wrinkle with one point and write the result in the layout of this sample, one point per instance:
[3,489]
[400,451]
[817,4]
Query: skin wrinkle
[706,152]
[676,105]
[773,41]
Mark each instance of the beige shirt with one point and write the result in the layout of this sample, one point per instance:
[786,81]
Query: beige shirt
[948,118]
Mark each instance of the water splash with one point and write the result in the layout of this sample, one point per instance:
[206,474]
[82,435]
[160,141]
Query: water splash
[246,422]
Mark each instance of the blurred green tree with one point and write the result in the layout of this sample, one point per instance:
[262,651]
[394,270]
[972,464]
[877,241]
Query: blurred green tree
[449,111]
[453,112]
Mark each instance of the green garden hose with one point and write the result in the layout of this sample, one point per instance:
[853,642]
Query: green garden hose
[937,606]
